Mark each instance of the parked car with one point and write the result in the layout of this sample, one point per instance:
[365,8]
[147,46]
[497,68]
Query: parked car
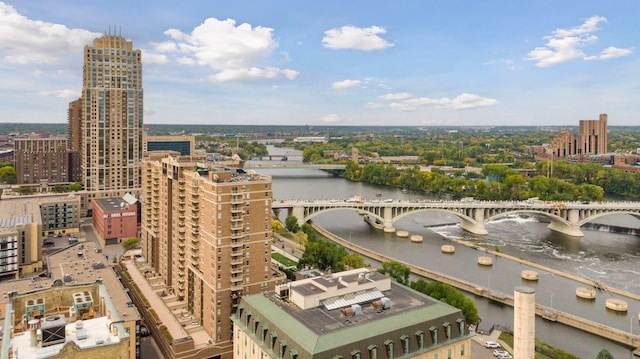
[500,353]
[48,242]
[491,344]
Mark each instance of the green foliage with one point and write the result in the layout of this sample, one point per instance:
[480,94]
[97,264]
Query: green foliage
[25,191]
[8,174]
[397,271]
[310,232]
[291,223]
[276,225]
[604,354]
[283,259]
[323,254]
[131,243]
[301,239]
[353,261]
[448,294]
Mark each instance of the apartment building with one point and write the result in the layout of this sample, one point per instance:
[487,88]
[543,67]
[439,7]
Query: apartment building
[207,232]
[42,160]
[591,139]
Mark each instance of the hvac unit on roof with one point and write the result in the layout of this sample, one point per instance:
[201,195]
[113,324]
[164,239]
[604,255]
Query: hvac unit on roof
[53,331]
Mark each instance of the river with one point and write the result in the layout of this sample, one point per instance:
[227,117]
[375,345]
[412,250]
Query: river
[613,259]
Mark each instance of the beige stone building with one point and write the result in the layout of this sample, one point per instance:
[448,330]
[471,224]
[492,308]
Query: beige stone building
[112,116]
[207,232]
[357,314]
[591,139]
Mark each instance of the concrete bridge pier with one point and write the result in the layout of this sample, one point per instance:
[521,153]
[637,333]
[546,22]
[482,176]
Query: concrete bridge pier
[475,226]
[387,215]
[298,212]
[569,229]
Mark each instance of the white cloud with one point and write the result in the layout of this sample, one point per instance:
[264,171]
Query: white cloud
[253,73]
[64,94]
[331,118]
[395,96]
[610,53]
[463,101]
[151,58]
[355,38]
[234,52]
[374,105]
[344,84]
[565,45]
[26,41]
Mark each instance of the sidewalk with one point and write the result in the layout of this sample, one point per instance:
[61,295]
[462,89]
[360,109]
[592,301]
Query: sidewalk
[495,334]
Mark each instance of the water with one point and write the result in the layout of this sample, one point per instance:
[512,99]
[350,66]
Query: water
[613,259]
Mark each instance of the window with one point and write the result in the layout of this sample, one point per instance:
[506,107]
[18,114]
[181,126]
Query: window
[420,338]
[462,350]
[449,353]
[373,351]
[355,354]
[447,329]
[405,344]
[434,335]
[272,340]
[389,345]
[283,347]
[462,326]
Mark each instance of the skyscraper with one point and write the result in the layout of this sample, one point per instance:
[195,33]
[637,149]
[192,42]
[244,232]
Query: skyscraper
[207,232]
[112,112]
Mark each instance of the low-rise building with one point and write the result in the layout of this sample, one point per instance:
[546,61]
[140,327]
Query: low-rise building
[25,222]
[78,310]
[115,219]
[353,314]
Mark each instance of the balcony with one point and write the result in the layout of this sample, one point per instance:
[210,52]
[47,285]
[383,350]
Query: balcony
[236,269]
[236,279]
[236,244]
[237,209]
[237,261]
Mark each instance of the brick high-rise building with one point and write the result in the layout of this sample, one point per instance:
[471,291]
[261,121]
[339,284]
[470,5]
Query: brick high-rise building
[112,116]
[42,159]
[207,232]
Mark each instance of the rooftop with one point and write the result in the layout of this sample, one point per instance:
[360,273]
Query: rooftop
[92,333]
[82,263]
[112,204]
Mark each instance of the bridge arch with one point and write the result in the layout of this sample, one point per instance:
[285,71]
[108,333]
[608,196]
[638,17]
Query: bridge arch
[595,216]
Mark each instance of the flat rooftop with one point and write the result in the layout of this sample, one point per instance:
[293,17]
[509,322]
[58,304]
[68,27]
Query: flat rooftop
[94,333]
[323,321]
[84,263]
[112,204]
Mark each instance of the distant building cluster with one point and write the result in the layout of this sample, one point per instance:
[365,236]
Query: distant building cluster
[590,140]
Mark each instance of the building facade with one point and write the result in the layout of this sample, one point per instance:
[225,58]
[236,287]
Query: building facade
[42,160]
[114,219]
[590,140]
[185,145]
[207,232]
[112,116]
[356,314]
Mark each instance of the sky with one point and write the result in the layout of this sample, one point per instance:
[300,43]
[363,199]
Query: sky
[336,62]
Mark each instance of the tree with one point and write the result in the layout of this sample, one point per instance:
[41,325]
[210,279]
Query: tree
[276,225]
[323,254]
[291,223]
[353,261]
[397,271]
[131,243]
[604,354]
[301,239]
[448,294]
[8,175]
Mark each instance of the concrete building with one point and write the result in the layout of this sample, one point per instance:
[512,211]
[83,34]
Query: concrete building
[79,310]
[112,117]
[41,160]
[590,140]
[24,222]
[524,323]
[114,219]
[207,232]
[185,145]
[354,314]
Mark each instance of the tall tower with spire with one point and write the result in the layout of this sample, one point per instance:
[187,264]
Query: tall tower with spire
[112,116]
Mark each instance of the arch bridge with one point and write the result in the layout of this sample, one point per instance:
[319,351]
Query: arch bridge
[564,217]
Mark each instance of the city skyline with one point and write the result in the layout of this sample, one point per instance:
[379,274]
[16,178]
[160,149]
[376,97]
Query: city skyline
[291,63]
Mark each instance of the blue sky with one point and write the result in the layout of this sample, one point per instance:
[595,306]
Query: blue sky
[415,63]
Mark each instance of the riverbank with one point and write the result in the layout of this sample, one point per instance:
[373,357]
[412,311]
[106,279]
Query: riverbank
[545,312]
